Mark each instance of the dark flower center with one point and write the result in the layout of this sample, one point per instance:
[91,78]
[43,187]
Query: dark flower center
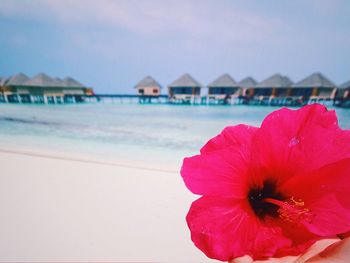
[257,198]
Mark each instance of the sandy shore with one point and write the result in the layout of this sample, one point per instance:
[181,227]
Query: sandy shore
[59,208]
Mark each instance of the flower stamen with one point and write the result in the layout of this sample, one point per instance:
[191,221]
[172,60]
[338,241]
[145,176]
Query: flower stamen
[292,210]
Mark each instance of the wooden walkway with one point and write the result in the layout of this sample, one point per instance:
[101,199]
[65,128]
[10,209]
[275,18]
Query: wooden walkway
[164,99]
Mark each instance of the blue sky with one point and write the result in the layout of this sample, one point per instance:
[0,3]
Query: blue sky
[112,44]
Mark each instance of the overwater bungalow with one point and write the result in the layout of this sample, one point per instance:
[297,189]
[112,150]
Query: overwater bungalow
[314,88]
[344,90]
[73,90]
[185,90]
[273,90]
[42,89]
[223,90]
[148,88]
[247,86]
[342,97]
[11,88]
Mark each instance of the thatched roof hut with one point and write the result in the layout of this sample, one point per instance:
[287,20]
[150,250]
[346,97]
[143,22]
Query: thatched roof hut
[275,85]
[43,80]
[70,86]
[222,90]
[224,81]
[275,81]
[42,88]
[247,83]
[345,85]
[16,80]
[315,80]
[12,84]
[148,86]
[185,85]
[223,85]
[44,84]
[343,91]
[186,81]
[71,83]
[315,85]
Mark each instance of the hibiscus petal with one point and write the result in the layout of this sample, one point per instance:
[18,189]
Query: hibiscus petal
[222,173]
[294,141]
[325,193]
[301,237]
[221,168]
[239,135]
[227,228]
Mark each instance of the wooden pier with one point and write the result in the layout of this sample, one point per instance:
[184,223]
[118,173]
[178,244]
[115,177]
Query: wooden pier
[164,99]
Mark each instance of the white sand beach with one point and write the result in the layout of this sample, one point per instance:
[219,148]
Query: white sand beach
[61,208]
[101,182]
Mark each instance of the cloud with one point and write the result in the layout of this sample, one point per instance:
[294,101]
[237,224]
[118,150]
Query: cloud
[201,20]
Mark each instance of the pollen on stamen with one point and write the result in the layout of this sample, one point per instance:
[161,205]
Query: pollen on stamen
[294,211]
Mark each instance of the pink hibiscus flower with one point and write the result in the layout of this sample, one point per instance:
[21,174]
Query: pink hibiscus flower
[271,191]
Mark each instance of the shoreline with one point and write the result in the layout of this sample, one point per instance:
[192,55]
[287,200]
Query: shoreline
[46,155]
[76,156]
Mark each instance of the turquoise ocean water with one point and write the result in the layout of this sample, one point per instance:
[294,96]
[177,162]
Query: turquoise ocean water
[143,133]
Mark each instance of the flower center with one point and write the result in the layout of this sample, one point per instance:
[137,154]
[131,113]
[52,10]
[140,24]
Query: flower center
[267,201]
[257,197]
